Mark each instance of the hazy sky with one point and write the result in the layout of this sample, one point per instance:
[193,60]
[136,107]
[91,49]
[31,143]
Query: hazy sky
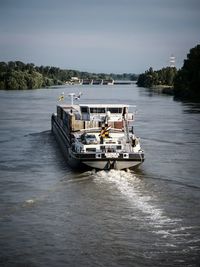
[99,35]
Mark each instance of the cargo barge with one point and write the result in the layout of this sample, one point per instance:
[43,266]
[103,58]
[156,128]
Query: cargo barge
[97,136]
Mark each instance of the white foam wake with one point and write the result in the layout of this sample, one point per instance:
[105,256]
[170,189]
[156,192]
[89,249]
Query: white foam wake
[133,191]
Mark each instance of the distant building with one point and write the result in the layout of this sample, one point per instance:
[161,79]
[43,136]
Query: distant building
[74,80]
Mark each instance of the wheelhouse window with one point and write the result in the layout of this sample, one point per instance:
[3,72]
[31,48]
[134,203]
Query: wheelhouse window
[97,110]
[84,109]
[115,110]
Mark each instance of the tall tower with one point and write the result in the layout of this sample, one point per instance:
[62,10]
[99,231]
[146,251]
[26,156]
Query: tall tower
[172,61]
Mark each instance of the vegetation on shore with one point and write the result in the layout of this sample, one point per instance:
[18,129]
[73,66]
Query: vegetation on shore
[160,78]
[187,80]
[18,75]
[183,83]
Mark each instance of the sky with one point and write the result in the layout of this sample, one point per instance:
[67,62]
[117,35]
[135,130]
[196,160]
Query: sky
[109,36]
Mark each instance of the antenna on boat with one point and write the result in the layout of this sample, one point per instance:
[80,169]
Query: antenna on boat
[74,96]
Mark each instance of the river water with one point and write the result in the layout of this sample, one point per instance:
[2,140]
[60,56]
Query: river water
[51,215]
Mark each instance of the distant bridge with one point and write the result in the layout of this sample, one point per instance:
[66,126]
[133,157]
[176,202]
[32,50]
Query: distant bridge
[77,81]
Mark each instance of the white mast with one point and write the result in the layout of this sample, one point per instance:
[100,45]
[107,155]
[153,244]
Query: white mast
[72,95]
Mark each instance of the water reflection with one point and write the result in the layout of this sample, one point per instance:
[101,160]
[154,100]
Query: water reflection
[193,108]
[149,92]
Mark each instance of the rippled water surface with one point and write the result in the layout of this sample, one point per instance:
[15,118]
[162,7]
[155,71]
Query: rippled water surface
[51,215]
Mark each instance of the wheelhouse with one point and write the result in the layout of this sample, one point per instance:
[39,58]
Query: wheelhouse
[115,112]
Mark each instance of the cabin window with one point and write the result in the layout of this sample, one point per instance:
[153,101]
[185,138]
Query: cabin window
[119,147]
[97,110]
[103,148]
[84,109]
[115,110]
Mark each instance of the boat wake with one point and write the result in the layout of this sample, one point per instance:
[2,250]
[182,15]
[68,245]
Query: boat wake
[130,187]
[145,206]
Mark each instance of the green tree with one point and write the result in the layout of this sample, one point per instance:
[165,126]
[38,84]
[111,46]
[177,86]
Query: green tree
[34,80]
[151,78]
[2,85]
[15,80]
[187,81]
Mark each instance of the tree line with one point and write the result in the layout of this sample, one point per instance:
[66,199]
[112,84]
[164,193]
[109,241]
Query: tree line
[18,75]
[152,78]
[185,82]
